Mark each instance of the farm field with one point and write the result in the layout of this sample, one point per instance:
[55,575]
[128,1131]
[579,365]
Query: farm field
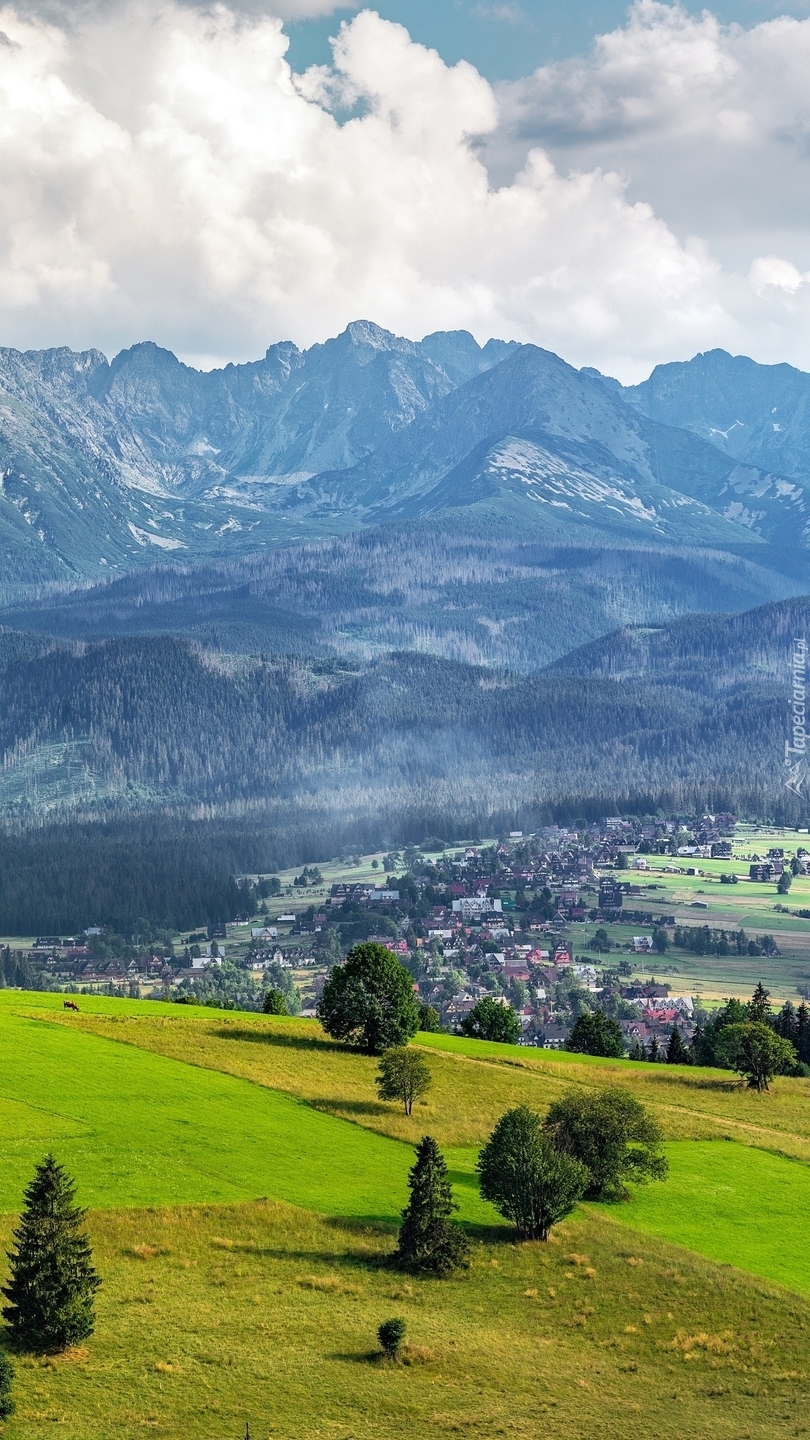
[245,1183]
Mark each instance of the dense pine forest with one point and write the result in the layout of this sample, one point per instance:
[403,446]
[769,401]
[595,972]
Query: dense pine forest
[477,591]
[138,724]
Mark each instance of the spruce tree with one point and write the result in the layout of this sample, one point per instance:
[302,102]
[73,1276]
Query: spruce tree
[677,1053]
[428,1239]
[759,1006]
[52,1283]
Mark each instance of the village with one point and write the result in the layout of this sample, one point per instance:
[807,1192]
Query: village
[551,925]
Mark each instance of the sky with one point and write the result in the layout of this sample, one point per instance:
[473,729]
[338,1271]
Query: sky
[624,186]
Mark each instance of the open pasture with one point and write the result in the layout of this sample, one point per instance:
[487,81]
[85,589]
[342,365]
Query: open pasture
[473,1081]
[220,1307]
[216,1316]
[258,1106]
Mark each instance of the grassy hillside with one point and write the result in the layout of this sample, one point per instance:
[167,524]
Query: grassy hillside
[264,1310]
[473,1082]
[216,1316]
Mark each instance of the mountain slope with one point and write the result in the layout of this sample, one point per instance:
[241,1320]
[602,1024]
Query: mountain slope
[534,427]
[142,725]
[758,414]
[107,466]
[449,585]
[706,653]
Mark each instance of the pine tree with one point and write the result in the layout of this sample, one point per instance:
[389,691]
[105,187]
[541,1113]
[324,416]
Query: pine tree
[52,1282]
[759,1006]
[803,1033]
[428,1239]
[7,1406]
[653,1051]
[677,1053]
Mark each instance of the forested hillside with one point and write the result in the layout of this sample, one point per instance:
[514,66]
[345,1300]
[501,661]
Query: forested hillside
[703,653]
[138,724]
[477,592]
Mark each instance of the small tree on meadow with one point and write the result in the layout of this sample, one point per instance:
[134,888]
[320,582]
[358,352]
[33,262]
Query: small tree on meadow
[755,1052]
[526,1178]
[595,1033]
[403,1075]
[489,1020]
[52,1284]
[369,1001]
[612,1135]
[274,1003]
[428,1239]
[391,1336]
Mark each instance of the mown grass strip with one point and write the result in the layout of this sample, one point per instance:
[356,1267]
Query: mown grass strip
[137,1128]
[735,1204]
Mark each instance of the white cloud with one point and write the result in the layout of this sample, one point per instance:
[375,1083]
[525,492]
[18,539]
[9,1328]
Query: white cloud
[781,274]
[708,123]
[165,175]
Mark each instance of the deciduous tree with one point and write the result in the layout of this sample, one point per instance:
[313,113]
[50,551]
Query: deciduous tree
[369,1001]
[526,1177]
[403,1075]
[274,1003]
[490,1020]
[612,1135]
[756,1052]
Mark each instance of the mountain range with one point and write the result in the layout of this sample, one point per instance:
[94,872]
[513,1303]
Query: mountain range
[113,466]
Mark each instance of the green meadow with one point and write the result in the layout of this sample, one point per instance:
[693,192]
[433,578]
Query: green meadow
[244,1184]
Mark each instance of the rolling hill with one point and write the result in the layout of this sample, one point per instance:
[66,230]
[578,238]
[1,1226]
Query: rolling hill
[243,1222]
[140,724]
